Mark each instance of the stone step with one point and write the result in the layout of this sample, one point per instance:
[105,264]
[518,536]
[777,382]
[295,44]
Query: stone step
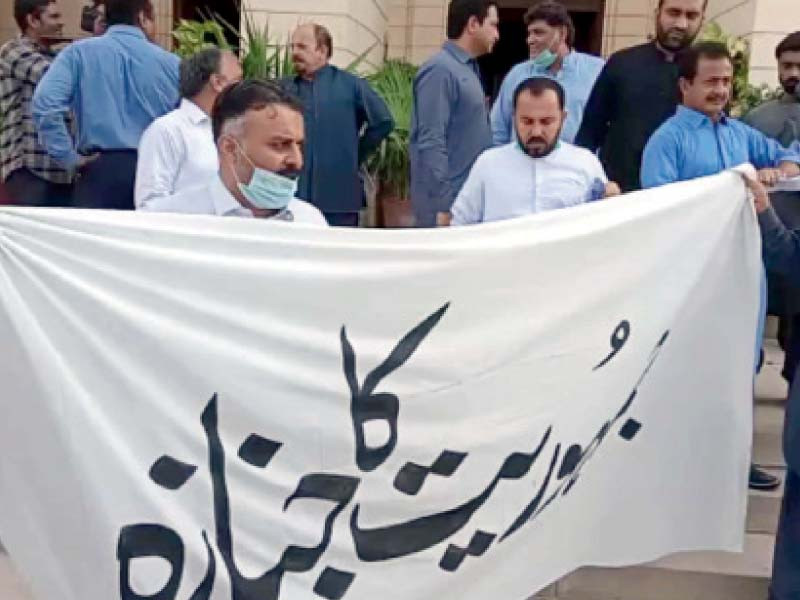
[688,576]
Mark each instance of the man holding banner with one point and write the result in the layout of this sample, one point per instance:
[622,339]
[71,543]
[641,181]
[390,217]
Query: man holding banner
[700,140]
[781,252]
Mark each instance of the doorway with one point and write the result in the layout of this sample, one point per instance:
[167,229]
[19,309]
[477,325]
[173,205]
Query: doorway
[587,15]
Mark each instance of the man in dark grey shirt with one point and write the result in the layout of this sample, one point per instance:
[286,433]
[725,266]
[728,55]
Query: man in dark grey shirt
[780,120]
[450,120]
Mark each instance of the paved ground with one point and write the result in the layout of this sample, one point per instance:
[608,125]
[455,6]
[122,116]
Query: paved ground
[770,386]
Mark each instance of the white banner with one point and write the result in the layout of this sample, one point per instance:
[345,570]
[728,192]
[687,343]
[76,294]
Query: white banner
[198,407]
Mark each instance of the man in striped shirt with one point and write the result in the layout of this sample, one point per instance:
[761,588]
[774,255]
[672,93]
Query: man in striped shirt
[30,176]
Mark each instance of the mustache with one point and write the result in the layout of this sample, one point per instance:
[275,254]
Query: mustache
[535,139]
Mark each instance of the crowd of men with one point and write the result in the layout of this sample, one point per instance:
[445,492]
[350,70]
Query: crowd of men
[113,121]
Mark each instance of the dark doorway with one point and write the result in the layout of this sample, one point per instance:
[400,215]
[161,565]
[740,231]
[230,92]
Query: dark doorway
[513,49]
[227,10]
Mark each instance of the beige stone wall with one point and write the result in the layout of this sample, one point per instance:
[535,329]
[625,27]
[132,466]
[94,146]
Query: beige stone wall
[71,10]
[356,25]
[627,23]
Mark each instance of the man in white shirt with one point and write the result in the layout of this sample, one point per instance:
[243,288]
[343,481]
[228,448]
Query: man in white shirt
[259,133]
[536,172]
[177,151]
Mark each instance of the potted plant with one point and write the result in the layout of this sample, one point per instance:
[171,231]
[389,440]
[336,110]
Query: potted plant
[389,166]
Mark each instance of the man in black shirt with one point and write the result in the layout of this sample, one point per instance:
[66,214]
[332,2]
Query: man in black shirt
[637,91]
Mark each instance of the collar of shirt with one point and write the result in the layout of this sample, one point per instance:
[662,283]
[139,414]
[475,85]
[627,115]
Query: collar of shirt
[34,46]
[695,118]
[225,205]
[126,30]
[194,113]
[458,52]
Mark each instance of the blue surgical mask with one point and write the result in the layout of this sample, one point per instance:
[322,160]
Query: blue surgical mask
[545,59]
[267,190]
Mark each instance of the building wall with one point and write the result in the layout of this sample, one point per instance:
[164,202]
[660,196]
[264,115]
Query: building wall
[414,29]
[357,26]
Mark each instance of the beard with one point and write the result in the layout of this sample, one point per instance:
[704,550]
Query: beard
[674,39]
[544,148]
[791,86]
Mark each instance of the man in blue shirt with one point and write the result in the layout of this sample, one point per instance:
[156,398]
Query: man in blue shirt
[116,85]
[449,120]
[551,35]
[345,122]
[699,140]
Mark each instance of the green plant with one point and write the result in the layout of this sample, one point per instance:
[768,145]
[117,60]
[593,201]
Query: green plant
[193,36]
[746,96]
[262,57]
[390,164]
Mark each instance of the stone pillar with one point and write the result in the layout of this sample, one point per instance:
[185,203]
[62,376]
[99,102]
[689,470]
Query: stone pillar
[164,22]
[627,23]
[774,20]
[356,25]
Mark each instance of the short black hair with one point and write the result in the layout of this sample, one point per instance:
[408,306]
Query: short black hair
[250,94]
[24,8]
[690,58]
[791,43]
[126,12]
[197,69]
[554,14]
[661,5]
[537,86]
[459,12]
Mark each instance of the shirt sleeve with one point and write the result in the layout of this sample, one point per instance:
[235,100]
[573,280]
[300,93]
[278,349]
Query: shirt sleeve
[374,112]
[781,247]
[434,94]
[765,152]
[501,115]
[660,160]
[598,112]
[161,153]
[51,104]
[469,206]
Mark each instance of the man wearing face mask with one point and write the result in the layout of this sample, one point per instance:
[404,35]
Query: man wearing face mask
[551,35]
[178,151]
[637,91]
[116,84]
[259,132]
[535,173]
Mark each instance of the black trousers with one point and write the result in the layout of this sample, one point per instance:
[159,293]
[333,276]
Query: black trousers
[26,189]
[341,219]
[108,182]
[786,566]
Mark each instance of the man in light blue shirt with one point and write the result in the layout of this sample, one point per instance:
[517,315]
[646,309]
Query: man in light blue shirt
[551,34]
[700,140]
[116,85]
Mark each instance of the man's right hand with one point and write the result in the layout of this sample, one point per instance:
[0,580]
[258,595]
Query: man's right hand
[759,191]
